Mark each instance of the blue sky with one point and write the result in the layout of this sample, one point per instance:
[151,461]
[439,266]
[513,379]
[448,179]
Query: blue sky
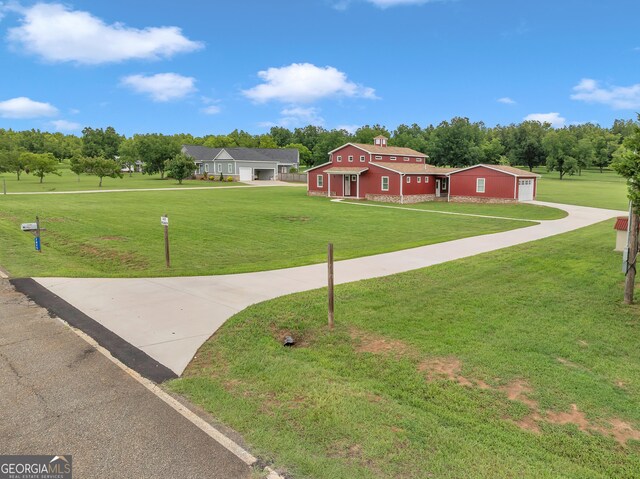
[210,67]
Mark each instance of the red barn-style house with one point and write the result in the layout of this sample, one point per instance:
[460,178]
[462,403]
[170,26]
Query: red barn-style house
[401,175]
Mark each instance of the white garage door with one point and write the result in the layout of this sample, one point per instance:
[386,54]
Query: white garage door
[525,190]
[246,173]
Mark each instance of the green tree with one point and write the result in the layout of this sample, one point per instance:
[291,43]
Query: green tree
[560,147]
[366,134]
[527,148]
[13,161]
[282,136]
[329,140]
[128,154]
[77,165]
[492,151]
[303,151]
[98,142]
[41,164]
[584,154]
[154,150]
[604,145]
[101,167]
[457,143]
[267,142]
[626,162]
[180,167]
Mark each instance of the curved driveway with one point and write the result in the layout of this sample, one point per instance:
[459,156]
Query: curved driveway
[170,318]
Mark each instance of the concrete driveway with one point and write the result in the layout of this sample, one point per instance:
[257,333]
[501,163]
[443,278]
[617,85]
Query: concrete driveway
[170,318]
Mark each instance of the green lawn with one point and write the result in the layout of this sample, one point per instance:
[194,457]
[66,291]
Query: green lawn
[592,188]
[211,231]
[415,380]
[68,181]
[519,210]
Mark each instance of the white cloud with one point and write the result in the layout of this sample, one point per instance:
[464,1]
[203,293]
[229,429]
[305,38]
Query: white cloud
[506,100]
[64,125]
[211,110]
[161,86]
[23,107]
[553,118]
[344,4]
[350,128]
[58,34]
[305,83]
[396,3]
[617,97]
[295,117]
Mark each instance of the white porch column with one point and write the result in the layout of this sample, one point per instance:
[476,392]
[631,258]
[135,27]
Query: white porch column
[358,186]
[328,185]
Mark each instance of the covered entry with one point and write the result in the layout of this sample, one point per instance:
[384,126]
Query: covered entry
[344,182]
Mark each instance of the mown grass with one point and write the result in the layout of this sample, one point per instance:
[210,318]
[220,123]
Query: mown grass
[211,231]
[358,402]
[519,210]
[592,188]
[69,181]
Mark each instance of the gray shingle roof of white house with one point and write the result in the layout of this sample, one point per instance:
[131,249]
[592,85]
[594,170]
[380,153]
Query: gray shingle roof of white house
[288,156]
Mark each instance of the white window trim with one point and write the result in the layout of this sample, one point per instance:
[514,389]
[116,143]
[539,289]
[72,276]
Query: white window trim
[350,158]
[219,167]
[406,158]
[484,184]
[393,158]
[382,183]
[361,158]
[229,168]
[320,181]
[206,167]
[408,179]
[419,179]
[378,157]
[339,158]
[419,160]
[426,179]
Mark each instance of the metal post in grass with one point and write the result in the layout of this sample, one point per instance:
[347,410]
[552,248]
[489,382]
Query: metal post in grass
[164,221]
[330,285]
[37,239]
[4,186]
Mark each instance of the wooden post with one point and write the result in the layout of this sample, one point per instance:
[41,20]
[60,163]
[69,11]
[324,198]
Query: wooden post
[4,186]
[632,246]
[166,244]
[39,241]
[330,286]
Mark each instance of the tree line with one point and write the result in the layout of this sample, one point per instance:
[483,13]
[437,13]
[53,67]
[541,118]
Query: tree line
[454,143]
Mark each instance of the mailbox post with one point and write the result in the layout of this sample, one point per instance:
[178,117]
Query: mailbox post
[164,221]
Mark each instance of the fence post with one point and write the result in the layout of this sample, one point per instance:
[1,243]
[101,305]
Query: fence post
[330,285]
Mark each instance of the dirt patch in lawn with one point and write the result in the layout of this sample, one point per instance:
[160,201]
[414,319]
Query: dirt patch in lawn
[518,390]
[372,343]
[113,238]
[301,340]
[448,368]
[298,219]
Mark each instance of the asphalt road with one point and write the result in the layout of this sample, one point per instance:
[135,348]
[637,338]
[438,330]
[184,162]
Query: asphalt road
[58,395]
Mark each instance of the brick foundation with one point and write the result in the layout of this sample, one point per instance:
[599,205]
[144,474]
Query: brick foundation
[407,199]
[480,199]
[316,193]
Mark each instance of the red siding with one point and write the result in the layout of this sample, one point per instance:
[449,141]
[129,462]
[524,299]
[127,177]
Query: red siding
[347,151]
[497,183]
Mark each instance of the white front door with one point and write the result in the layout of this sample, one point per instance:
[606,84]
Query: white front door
[246,173]
[347,185]
[438,188]
[525,190]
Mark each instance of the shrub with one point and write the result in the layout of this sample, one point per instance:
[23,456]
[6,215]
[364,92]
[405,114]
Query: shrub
[229,179]
[221,177]
[212,178]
